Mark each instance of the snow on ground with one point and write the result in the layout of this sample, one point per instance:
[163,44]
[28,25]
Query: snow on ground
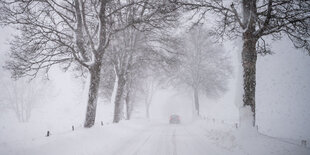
[282,92]
[140,137]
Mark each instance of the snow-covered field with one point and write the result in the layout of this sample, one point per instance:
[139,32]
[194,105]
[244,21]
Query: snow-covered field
[141,137]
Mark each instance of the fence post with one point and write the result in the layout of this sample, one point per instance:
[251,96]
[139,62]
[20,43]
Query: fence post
[48,133]
[72,127]
[236,125]
[257,127]
[101,123]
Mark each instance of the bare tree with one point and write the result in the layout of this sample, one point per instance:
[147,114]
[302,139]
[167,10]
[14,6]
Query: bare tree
[254,20]
[149,90]
[129,98]
[127,48]
[124,52]
[71,32]
[130,55]
[22,95]
[130,59]
[205,67]
[134,80]
[55,32]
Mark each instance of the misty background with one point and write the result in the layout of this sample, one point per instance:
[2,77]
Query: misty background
[282,96]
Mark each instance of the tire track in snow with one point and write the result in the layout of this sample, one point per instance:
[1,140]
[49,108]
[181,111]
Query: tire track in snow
[194,143]
[137,148]
[174,143]
[200,139]
[144,142]
[133,145]
[164,141]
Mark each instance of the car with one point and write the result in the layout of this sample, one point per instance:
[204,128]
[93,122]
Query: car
[174,119]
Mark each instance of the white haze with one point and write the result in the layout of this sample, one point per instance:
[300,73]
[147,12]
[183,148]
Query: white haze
[282,98]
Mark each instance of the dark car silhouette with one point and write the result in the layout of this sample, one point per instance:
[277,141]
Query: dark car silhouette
[174,119]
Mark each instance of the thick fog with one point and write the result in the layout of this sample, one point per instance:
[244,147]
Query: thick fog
[282,95]
[168,82]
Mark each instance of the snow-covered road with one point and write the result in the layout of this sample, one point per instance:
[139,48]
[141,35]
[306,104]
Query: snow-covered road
[143,137]
[168,139]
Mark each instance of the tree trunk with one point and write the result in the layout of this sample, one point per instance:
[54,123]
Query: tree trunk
[249,57]
[147,110]
[196,98]
[92,95]
[128,105]
[118,104]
